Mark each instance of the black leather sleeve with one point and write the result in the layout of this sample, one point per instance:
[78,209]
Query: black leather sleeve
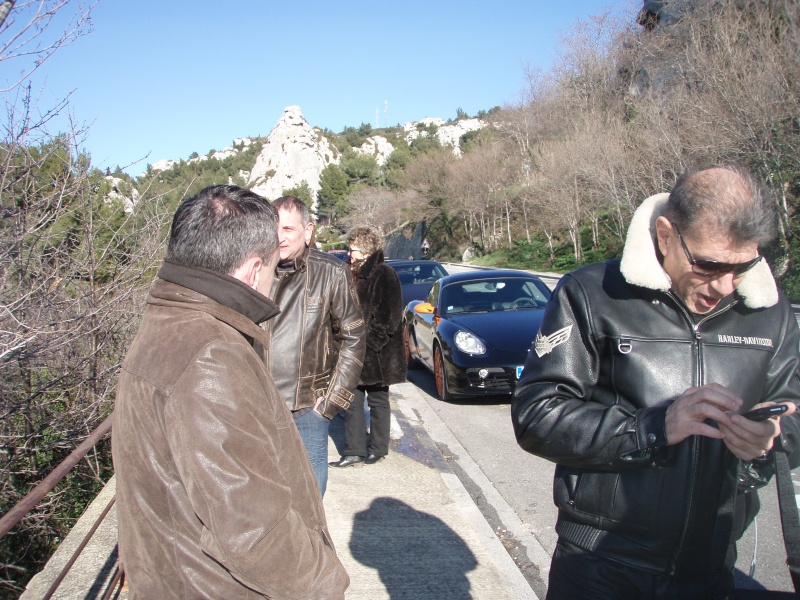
[554,411]
[783,384]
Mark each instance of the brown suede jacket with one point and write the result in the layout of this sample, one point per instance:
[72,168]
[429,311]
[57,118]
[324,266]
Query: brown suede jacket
[215,494]
[317,341]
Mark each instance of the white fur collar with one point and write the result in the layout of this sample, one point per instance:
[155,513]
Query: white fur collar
[640,264]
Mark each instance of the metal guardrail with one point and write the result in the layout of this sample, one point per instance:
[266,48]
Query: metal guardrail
[119,574]
[32,498]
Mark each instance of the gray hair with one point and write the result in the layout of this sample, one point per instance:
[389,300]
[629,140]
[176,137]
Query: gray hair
[222,226]
[728,199]
[293,203]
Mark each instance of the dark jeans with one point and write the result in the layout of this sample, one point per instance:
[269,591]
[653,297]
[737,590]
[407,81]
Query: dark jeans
[313,428]
[355,426]
[576,574]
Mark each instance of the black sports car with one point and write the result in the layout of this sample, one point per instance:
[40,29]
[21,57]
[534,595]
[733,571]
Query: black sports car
[474,330]
[416,277]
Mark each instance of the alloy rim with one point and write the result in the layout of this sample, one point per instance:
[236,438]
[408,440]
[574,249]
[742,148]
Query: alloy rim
[438,371]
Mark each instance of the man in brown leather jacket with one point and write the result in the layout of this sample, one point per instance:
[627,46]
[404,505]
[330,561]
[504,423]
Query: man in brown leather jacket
[317,342]
[215,495]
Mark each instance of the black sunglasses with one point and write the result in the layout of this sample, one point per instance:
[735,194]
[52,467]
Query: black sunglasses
[713,268]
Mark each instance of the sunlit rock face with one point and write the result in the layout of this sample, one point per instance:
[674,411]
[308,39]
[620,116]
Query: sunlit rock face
[377,146]
[163,165]
[448,134]
[294,152]
[123,191]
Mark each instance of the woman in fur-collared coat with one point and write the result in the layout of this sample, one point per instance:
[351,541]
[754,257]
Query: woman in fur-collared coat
[381,300]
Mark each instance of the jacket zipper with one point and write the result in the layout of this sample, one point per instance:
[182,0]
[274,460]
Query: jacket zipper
[269,324]
[698,337]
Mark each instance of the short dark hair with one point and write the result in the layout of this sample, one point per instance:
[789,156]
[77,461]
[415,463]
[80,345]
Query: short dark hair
[727,198]
[292,203]
[222,226]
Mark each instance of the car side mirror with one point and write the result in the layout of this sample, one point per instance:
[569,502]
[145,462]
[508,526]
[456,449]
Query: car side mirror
[424,308]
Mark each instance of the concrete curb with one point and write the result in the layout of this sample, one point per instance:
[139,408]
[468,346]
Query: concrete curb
[439,433]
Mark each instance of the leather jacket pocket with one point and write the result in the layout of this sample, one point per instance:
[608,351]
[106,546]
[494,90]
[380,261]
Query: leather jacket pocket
[315,304]
[320,385]
[613,500]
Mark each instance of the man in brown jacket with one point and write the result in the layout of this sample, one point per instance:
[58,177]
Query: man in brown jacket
[216,497]
[318,339]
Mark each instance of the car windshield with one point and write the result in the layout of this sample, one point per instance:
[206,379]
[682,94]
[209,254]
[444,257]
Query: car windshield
[493,295]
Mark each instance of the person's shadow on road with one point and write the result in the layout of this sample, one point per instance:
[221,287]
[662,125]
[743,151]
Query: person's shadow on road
[416,554]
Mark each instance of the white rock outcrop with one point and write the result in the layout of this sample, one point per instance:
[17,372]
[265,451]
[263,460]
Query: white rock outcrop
[119,187]
[239,144]
[294,152]
[377,146]
[162,165]
[412,132]
[448,135]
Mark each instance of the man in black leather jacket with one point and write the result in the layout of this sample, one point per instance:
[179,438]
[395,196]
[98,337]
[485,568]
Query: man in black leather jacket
[318,339]
[633,385]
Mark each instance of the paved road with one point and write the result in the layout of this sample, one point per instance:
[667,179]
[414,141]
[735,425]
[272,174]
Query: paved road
[483,429]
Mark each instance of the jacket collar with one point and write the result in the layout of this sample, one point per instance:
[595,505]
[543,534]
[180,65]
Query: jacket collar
[223,289]
[640,265]
[368,266]
[299,263]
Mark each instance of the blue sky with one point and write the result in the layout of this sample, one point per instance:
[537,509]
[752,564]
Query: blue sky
[162,79]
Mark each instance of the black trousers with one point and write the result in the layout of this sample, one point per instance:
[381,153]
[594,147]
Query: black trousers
[355,426]
[576,574]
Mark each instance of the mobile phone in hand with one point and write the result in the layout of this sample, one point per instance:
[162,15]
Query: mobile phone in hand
[765,412]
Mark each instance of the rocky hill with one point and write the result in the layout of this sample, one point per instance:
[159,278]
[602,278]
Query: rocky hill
[295,152]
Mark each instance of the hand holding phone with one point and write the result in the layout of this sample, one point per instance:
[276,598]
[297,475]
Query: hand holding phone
[765,412]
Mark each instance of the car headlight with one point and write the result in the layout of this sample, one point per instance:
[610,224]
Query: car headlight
[469,344]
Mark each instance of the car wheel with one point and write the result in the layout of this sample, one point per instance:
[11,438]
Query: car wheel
[439,375]
[411,362]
